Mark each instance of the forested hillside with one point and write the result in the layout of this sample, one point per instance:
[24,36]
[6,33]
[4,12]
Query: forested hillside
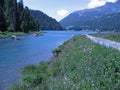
[15,17]
[45,22]
[109,22]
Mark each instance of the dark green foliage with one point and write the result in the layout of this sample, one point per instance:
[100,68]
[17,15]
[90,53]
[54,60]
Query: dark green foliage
[27,22]
[3,26]
[16,18]
[57,51]
[11,14]
[45,22]
[31,76]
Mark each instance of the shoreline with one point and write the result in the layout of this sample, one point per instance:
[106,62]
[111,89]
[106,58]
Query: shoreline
[9,34]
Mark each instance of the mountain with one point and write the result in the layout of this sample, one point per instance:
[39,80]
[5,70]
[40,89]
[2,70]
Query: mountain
[77,19]
[45,22]
[110,22]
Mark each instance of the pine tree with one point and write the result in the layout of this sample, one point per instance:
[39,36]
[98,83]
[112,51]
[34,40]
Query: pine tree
[20,9]
[11,14]
[17,17]
[3,27]
[21,2]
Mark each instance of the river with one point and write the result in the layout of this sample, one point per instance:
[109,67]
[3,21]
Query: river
[16,54]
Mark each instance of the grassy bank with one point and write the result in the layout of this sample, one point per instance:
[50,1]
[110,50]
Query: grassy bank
[79,64]
[8,34]
[114,37]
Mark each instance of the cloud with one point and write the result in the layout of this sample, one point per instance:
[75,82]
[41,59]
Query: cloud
[96,3]
[62,12]
[111,0]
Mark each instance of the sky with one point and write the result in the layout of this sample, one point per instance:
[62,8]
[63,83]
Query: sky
[59,9]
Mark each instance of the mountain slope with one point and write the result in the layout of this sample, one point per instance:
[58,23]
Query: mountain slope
[45,22]
[109,22]
[79,17]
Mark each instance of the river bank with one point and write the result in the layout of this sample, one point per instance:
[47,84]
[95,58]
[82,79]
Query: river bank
[78,64]
[9,34]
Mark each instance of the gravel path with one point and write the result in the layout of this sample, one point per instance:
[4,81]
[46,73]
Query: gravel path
[105,42]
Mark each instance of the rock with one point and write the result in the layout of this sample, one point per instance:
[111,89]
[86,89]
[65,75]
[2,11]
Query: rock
[35,35]
[14,37]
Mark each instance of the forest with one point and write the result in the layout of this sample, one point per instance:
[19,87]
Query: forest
[108,22]
[15,17]
[45,22]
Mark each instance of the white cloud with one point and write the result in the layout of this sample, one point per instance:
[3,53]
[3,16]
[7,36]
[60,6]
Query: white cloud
[62,12]
[96,3]
[111,0]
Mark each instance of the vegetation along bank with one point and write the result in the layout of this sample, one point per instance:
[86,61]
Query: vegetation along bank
[9,34]
[113,37]
[79,64]
[15,17]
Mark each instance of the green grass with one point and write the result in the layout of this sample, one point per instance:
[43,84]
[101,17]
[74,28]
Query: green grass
[80,65]
[8,34]
[114,37]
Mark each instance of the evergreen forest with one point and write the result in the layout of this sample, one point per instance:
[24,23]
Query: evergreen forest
[15,17]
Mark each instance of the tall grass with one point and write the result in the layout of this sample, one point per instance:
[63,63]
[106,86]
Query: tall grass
[80,65]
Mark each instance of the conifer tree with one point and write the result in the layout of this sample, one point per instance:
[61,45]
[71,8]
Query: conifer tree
[3,27]
[17,17]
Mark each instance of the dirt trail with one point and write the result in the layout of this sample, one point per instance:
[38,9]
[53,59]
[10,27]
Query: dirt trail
[105,42]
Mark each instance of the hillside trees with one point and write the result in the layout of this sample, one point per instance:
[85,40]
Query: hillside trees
[11,14]
[2,18]
[45,22]
[106,23]
[16,17]
[27,21]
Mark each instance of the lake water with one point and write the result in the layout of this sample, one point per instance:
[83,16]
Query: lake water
[16,54]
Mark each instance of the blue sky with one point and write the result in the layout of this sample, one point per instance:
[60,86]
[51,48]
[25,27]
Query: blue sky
[59,9]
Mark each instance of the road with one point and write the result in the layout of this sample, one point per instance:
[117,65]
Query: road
[105,42]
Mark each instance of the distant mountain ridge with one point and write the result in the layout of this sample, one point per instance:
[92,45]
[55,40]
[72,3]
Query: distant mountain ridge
[110,22]
[77,19]
[45,22]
